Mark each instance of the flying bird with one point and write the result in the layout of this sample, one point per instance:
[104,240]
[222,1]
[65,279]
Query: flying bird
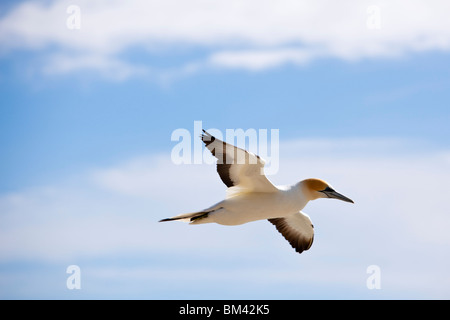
[251,196]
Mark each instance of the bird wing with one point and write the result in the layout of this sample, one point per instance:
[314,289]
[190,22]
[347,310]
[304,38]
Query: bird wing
[297,229]
[239,169]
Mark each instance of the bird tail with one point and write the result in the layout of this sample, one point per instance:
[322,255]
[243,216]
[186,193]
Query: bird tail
[188,217]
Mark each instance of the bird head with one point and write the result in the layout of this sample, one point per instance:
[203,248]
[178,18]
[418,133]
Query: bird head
[316,188]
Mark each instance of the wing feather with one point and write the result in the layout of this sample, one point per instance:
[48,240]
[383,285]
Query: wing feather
[297,229]
[239,169]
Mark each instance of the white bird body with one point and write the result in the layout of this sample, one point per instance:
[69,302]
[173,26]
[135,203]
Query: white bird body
[251,196]
[252,206]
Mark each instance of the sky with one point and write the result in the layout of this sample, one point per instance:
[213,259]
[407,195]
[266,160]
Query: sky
[92,92]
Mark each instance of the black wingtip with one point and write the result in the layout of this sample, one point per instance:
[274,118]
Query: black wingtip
[206,133]
[207,138]
[203,135]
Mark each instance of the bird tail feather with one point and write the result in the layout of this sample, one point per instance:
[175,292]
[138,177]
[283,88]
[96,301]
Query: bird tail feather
[188,217]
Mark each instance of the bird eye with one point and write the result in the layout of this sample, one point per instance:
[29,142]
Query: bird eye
[328,189]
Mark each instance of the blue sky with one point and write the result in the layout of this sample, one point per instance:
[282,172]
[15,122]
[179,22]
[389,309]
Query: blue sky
[87,116]
[66,124]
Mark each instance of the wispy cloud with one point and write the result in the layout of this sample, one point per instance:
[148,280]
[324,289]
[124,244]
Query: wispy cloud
[255,60]
[110,68]
[252,35]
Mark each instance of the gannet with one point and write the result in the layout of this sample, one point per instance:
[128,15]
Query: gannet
[251,196]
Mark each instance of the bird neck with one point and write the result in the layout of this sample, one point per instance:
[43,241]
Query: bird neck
[305,191]
[297,197]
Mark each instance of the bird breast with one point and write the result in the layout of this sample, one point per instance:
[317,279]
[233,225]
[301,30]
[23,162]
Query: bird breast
[248,207]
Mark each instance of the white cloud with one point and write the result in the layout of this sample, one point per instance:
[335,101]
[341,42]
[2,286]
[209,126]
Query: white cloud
[255,60]
[110,68]
[253,35]
[400,214]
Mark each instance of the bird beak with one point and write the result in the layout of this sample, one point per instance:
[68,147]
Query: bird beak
[336,195]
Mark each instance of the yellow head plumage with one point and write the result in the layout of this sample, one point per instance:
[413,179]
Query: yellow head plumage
[315,184]
[317,188]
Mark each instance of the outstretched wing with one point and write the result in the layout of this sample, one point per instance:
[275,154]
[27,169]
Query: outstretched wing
[238,168]
[297,229]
